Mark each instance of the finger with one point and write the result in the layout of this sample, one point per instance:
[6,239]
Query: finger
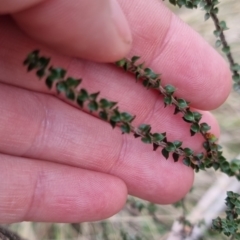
[40,126]
[95,30]
[185,60]
[194,77]
[34,190]
[11,6]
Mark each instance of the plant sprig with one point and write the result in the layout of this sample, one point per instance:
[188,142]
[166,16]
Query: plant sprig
[211,9]
[213,156]
[108,110]
[229,225]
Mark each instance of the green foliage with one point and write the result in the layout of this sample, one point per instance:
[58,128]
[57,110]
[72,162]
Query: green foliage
[209,6]
[229,225]
[108,111]
[212,158]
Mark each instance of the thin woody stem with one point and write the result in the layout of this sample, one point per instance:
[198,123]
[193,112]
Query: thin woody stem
[222,36]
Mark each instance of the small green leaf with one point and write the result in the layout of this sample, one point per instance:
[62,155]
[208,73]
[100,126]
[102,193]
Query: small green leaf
[83,95]
[126,117]
[113,123]
[126,66]
[188,151]
[147,139]
[214,10]
[223,25]
[206,146]
[144,128]
[80,102]
[93,96]
[167,100]
[103,115]
[134,59]
[182,103]
[43,62]
[49,82]
[192,133]
[165,153]
[150,73]
[235,165]
[204,127]
[207,8]
[206,16]
[104,103]
[195,127]
[136,135]
[236,78]
[189,116]
[235,67]
[116,117]
[146,83]
[170,147]
[41,72]
[173,2]
[197,116]
[155,146]
[93,106]
[70,94]
[169,89]
[176,110]
[72,82]
[189,5]
[218,43]
[61,86]
[230,194]
[226,50]
[32,57]
[57,73]
[224,166]
[215,2]
[138,75]
[217,33]
[202,4]
[158,137]
[177,144]
[32,66]
[199,156]
[121,62]
[187,161]
[175,157]
[125,128]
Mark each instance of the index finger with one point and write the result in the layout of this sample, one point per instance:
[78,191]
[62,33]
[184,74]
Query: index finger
[172,48]
[164,42]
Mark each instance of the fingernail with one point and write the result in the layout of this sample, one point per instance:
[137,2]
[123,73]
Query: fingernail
[120,22]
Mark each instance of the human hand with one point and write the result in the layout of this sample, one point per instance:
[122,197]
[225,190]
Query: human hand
[61,164]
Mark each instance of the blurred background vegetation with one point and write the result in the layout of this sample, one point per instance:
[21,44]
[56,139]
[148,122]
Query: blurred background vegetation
[140,219]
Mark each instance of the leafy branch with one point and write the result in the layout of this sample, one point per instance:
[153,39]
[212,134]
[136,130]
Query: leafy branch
[109,111]
[229,225]
[213,156]
[209,6]
[106,110]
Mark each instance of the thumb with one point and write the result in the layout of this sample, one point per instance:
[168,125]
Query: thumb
[90,29]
